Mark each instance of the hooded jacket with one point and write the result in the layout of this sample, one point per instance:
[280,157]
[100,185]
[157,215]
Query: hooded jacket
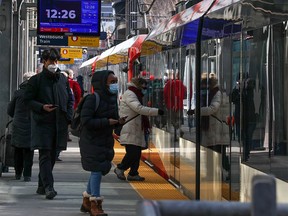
[96,140]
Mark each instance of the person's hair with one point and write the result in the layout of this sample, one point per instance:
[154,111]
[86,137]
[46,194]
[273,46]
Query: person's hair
[70,72]
[51,54]
[139,81]
[28,75]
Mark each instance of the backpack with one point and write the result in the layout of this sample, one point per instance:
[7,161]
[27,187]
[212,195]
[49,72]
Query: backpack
[76,124]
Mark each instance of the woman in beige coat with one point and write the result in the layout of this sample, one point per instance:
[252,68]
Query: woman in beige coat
[132,133]
[215,131]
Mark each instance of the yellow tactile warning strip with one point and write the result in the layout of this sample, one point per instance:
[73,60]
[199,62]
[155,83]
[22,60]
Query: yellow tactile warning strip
[154,187]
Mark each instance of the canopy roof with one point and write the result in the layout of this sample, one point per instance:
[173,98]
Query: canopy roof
[119,53]
[89,61]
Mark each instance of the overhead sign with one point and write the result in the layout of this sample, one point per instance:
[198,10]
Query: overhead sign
[69,17]
[56,40]
[62,40]
[71,53]
[83,41]
[66,61]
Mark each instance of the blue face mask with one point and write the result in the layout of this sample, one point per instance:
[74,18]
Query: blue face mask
[144,91]
[113,88]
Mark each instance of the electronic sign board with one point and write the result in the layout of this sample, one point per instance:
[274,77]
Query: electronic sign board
[69,17]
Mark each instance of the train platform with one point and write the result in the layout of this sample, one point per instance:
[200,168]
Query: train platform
[120,197]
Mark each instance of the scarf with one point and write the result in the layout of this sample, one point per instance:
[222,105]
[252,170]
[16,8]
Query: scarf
[205,119]
[145,124]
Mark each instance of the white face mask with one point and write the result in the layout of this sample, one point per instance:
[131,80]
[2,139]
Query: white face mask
[52,68]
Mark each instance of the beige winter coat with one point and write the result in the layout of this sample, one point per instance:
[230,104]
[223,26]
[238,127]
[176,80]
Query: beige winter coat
[130,106]
[218,133]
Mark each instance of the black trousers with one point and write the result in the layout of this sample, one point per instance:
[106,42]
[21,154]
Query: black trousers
[221,149]
[46,164]
[23,161]
[131,159]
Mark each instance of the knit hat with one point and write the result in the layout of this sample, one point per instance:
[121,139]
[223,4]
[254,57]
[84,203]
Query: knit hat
[28,75]
[213,81]
[138,82]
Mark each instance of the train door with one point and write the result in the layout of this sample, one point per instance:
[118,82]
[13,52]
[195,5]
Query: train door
[174,96]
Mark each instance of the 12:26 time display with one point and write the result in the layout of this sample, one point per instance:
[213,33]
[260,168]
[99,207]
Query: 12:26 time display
[62,14]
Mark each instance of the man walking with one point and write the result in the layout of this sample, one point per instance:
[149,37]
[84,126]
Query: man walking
[49,97]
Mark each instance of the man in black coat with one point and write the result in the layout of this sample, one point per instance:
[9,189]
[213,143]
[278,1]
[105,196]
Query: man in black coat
[49,97]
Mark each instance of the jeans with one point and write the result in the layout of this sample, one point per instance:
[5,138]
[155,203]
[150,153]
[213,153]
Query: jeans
[93,186]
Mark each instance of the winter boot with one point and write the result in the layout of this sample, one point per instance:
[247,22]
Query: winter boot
[85,207]
[96,206]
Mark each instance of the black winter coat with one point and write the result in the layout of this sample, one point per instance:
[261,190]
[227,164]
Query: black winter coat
[21,126]
[96,140]
[48,128]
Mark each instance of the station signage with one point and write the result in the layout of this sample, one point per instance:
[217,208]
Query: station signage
[66,61]
[52,40]
[69,17]
[62,40]
[71,53]
[83,41]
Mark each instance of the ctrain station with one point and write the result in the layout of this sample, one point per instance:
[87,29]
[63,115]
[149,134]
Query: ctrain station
[209,121]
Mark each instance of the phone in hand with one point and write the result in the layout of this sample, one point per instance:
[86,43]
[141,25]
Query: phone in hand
[54,106]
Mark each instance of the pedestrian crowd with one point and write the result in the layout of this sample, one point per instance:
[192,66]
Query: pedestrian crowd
[42,110]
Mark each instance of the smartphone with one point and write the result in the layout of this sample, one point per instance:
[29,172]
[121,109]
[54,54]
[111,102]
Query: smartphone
[54,106]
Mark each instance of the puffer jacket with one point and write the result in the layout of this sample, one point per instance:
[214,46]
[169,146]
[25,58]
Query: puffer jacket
[217,134]
[96,140]
[130,106]
[21,126]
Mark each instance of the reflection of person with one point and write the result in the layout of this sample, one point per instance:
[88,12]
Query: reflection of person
[211,120]
[49,97]
[133,132]
[249,116]
[213,134]
[96,139]
[174,94]
[21,132]
[235,98]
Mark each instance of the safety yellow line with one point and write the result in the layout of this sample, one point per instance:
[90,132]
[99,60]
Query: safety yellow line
[154,187]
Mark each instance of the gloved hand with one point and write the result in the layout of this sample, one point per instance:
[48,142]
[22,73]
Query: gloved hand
[190,112]
[160,112]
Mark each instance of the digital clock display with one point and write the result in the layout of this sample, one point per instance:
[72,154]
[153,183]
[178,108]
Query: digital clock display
[69,17]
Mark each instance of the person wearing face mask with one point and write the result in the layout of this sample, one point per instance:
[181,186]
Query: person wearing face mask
[49,98]
[214,132]
[133,132]
[96,140]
